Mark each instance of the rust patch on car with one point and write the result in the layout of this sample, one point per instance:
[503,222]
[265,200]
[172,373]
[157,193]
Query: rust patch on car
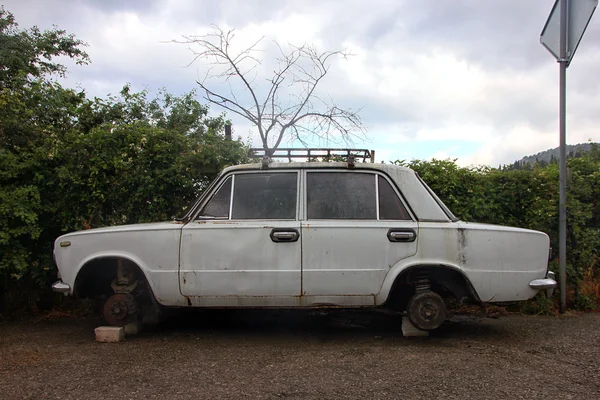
[462,242]
[462,237]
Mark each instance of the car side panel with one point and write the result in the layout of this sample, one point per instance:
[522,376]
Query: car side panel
[498,261]
[344,257]
[154,249]
[239,259]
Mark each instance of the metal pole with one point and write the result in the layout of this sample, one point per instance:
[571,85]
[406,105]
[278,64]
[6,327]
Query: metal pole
[562,206]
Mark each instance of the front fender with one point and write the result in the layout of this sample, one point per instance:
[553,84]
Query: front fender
[154,248]
[115,255]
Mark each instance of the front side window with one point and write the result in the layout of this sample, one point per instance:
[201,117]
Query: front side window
[255,196]
[218,206]
[265,196]
[343,195]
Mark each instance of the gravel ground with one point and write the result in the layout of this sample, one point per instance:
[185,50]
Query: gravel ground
[303,355]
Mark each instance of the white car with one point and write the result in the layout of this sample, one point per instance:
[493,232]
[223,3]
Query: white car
[307,234]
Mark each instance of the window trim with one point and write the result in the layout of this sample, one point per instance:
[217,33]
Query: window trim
[377,202]
[231,196]
[376,174]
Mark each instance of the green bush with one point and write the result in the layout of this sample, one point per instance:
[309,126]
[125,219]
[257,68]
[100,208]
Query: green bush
[68,162]
[528,198]
[539,305]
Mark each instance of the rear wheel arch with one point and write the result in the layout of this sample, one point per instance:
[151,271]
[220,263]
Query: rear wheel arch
[447,281]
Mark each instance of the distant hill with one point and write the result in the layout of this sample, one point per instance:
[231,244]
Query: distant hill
[551,155]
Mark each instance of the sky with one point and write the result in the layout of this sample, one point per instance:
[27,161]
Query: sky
[460,79]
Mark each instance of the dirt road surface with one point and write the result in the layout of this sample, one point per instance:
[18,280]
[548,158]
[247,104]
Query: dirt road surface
[303,355]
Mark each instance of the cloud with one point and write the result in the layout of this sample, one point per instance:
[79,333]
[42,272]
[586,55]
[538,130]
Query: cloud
[465,79]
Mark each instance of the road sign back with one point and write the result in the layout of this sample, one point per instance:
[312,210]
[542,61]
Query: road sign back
[578,16]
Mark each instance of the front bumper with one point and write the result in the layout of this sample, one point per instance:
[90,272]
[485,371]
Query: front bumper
[61,287]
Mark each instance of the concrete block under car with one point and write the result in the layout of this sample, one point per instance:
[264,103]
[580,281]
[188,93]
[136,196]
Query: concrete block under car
[133,328]
[409,330]
[108,334]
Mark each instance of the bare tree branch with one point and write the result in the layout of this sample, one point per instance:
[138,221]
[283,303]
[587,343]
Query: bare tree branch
[290,106]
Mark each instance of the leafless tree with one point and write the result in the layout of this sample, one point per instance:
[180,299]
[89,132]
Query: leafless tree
[287,105]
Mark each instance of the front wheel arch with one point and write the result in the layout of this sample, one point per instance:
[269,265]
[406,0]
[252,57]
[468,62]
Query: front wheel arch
[95,278]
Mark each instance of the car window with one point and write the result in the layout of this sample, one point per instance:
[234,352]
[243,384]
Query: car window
[265,196]
[218,206]
[390,206]
[343,195]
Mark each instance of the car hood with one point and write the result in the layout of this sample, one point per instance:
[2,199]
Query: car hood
[151,226]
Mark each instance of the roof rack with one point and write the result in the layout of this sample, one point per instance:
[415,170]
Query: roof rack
[311,154]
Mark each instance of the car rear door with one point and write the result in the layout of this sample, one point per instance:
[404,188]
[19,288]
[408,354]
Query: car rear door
[356,228]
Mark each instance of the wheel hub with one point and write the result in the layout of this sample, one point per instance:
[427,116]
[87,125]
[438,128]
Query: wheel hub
[120,309]
[426,310]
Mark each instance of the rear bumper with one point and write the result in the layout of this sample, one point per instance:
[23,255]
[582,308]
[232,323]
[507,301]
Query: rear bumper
[61,287]
[547,283]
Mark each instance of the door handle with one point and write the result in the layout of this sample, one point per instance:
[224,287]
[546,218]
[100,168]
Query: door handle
[401,235]
[282,235]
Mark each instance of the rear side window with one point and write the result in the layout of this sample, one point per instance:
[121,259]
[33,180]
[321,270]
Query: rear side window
[390,206]
[352,195]
[265,196]
[346,195]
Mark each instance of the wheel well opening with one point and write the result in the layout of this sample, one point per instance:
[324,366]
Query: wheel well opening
[105,278]
[95,277]
[445,281]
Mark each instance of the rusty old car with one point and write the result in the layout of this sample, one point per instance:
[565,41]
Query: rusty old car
[306,234]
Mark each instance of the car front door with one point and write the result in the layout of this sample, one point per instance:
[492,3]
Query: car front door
[356,228]
[245,243]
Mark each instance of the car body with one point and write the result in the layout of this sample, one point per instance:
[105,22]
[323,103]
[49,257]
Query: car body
[307,234]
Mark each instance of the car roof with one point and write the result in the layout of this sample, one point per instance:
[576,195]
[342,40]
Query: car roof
[321,165]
